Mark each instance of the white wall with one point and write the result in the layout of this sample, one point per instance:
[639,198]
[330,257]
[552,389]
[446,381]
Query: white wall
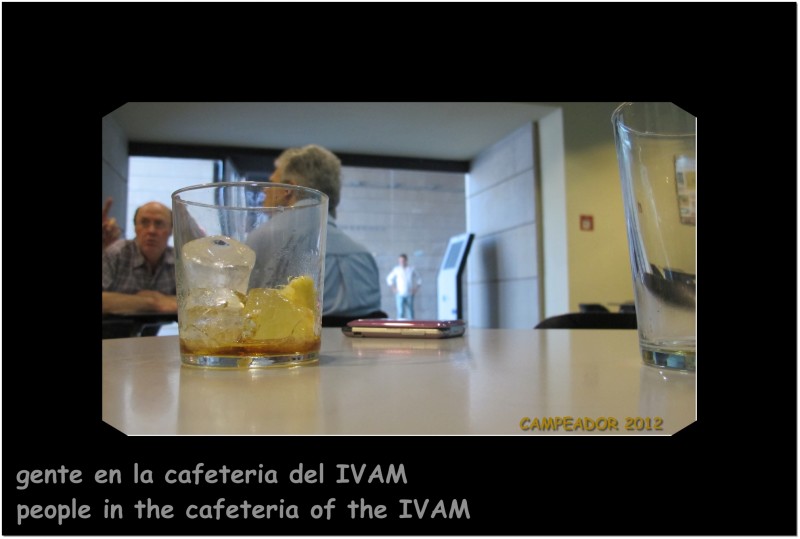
[599,265]
[554,246]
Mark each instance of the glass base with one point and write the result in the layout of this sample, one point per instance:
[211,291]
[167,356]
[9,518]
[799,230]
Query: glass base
[249,362]
[684,360]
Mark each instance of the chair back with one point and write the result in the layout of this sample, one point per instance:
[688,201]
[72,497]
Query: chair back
[341,321]
[589,320]
[592,308]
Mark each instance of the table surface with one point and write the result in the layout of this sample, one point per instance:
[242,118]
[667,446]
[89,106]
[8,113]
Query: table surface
[488,382]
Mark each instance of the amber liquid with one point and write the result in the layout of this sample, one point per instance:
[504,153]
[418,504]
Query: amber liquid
[266,327]
[276,347]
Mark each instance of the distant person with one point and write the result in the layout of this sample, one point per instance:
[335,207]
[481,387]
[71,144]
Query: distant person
[111,230]
[405,282]
[352,280]
[139,274]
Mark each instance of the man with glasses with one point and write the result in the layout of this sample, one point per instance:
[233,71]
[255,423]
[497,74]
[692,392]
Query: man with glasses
[139,274]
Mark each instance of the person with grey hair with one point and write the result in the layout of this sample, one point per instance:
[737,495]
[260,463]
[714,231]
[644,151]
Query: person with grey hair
[351,286]
[311,166]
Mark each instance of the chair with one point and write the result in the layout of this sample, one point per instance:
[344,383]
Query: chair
[341,321]
[627,308]
[589,320]
[592,308]
[117,326]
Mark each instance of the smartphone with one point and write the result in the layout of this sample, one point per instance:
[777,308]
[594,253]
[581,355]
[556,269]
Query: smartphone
[414,329]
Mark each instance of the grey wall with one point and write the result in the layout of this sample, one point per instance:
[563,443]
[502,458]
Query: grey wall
[501,200]
[115,170]
[561,167]
[403,211]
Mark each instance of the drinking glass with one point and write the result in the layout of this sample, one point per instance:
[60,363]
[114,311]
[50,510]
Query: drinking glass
[249,272]
[656,152]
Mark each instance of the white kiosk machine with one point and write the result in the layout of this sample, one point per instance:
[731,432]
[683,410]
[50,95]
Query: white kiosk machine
[449,280]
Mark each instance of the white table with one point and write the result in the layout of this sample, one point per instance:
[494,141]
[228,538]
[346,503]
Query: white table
[487,382]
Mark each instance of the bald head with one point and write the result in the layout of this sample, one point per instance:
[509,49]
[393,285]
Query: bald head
[154,207]
[153,224]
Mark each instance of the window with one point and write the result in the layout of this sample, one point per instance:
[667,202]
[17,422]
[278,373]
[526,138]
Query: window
[156,178]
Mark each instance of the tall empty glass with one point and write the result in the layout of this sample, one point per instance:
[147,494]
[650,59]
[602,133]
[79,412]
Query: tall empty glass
[249,271]
[656,151]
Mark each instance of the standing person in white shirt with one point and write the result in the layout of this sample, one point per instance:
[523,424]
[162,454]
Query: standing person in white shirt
[405,282]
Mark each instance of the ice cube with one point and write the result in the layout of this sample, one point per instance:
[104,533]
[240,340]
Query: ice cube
[217,262]
[211,318]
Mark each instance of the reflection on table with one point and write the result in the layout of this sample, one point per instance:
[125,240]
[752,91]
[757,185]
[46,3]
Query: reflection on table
[491,381]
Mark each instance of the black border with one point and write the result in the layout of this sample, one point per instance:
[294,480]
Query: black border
[734,472]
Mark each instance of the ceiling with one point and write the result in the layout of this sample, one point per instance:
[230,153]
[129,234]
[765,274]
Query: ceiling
[433,130]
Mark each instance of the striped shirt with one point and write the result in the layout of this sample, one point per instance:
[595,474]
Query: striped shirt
[125,270]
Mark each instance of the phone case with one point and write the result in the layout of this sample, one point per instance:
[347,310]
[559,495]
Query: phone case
[414,329]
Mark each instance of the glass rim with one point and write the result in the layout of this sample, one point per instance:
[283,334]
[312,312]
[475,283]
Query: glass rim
[321,197]
[619,123]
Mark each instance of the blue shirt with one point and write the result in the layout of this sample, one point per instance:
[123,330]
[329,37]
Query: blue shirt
[352,281]
[351,285]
